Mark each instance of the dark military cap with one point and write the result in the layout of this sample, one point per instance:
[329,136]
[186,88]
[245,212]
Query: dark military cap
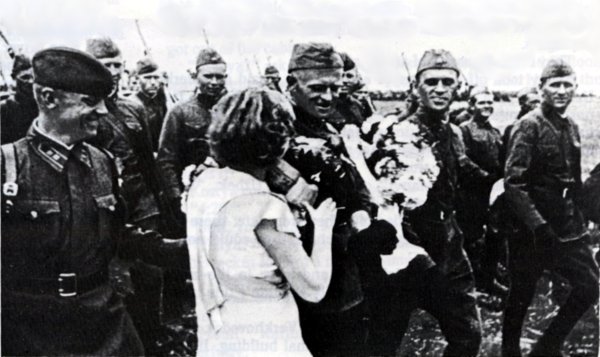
[71,70]
[437,59]
[314,56]
[348,62]
[271,71]
[21,63]
[556,68]
[146,65]
[102,47]
[209,56]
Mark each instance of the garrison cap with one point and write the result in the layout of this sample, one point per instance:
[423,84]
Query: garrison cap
[21,63]
[71,70]
[348,62]
[271,71]
[437,59]
[556,68]
[102,47]
[208,56]
[314,56]
[145,65]
[479,90]
[523,93]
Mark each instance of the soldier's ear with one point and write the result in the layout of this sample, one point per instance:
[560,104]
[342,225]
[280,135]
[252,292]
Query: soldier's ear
[47,97]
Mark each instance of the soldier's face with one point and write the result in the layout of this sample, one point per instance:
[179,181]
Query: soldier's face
[558,92]
[436,88]
[532,101]
[24,80]
[351,81]
[115,67]
[273,83]
[79,115]
[211,79]
[150,83]
[316,91]
[483,107]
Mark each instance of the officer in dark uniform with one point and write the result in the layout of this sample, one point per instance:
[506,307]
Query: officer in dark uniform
[335,326]
[152,97]
[63,222]
[18,111]
[543,185]
[183,135]
[483,145]
[590,197]
[445,290]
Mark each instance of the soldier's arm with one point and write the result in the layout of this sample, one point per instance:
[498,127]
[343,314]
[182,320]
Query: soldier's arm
[168,158]
[469,171]
[590,196]
[518,173]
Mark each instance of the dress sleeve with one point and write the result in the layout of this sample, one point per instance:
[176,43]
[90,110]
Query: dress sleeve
[276,209]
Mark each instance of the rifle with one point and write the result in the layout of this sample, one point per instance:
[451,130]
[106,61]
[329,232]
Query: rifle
[11,51]
[147,51]
[408,76]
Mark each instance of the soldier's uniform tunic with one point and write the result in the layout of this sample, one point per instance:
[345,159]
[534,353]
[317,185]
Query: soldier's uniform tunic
[64,219]
[543,183]
[16,115]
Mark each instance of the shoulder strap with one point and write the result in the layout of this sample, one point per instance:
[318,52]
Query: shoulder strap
[10,187]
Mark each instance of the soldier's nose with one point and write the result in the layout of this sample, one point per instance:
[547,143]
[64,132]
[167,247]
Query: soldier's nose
[101,108]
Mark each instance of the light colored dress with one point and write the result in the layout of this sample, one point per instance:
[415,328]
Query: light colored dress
[253,312]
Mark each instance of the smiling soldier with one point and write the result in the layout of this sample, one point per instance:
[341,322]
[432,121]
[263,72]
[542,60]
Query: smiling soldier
[543,186]
[483,145]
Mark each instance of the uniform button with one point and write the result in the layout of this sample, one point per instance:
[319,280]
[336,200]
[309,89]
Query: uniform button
[111,208]
[34,214]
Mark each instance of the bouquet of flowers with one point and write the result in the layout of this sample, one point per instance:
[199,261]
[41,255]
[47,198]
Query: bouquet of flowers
[400,162]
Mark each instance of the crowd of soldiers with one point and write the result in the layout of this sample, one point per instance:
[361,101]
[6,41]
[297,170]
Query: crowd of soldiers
[92,177]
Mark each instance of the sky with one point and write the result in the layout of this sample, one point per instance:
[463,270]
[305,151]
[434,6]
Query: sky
[502,44]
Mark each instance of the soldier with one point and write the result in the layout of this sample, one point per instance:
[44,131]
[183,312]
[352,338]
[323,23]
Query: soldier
[483,145]
[335,326]
[352,108]
[124,132]
[529,99]
[151,97]
[590,197]
[543,184]
[63,222]
[18,111]
[445,290]
[183,135]
[272,78]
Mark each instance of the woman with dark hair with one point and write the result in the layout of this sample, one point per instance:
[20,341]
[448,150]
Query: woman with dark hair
[244,246]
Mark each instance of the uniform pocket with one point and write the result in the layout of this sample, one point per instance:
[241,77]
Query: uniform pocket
[107,207]
[33,223]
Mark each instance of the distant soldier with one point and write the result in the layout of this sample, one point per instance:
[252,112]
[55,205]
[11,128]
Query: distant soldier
[63,222]
[272,78]
[352,108]
[483,145]
[590,197]
[183,135]
[151,97]
[543,185]
[18,111]
[529,99]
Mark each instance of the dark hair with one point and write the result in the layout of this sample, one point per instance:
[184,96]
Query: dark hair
[251,127]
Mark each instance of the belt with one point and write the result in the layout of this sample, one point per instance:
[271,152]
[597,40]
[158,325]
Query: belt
[65,285]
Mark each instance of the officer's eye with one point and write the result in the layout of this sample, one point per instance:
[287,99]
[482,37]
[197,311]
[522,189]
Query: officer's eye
[91,101]
[448,82]
[317,88]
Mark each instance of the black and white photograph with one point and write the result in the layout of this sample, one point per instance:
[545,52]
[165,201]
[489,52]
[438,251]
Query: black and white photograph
[329,178]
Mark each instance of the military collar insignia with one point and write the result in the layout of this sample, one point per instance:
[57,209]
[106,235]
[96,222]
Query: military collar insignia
[57,154]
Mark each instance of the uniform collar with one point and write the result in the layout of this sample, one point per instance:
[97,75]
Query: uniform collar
[559,121]
[54,152]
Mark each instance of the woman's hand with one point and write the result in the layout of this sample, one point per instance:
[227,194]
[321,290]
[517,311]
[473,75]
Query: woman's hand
[324,216]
